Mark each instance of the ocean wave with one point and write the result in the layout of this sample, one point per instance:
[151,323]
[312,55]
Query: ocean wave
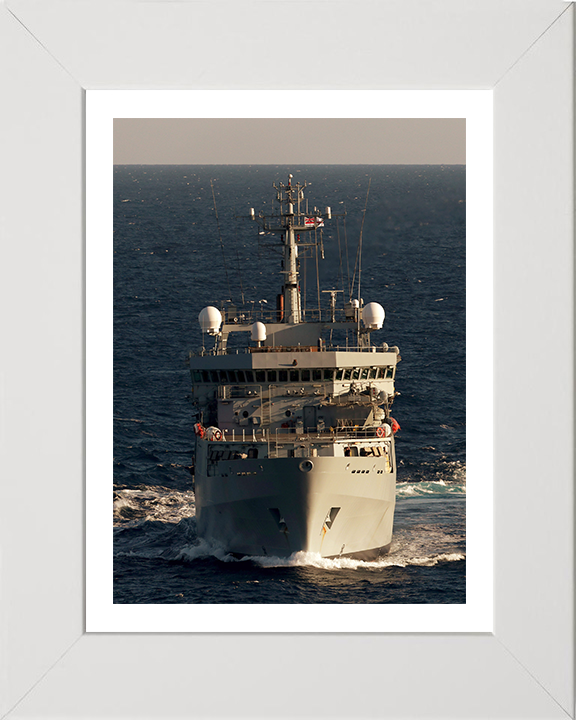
[427,488]
[154,539]
[436,468]
[205,549]
[152,503]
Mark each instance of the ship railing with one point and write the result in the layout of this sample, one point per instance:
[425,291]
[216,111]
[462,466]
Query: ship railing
[319,434]
[298,435]
[295,348]
[305,443]
[247,315]
[362,348]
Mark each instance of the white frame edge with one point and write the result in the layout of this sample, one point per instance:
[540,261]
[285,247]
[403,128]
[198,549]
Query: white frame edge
[51,668]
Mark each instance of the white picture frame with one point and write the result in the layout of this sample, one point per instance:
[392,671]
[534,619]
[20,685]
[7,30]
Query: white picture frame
[55,51]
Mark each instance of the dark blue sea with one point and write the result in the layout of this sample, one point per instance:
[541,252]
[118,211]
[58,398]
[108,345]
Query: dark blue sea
[173,256]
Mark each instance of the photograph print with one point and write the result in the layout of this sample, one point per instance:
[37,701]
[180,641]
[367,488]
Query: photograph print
[289,361]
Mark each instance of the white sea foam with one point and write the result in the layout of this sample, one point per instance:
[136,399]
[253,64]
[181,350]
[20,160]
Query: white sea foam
[431,487]
[136,505]
[204,549]
[345,563]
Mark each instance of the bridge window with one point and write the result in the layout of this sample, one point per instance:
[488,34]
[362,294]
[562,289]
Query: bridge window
[283,375]
[214,375]
[305,375]
[364,375]
[241,377]
[260,376]
[205,376]
[339,374]
[249,376]
[329,374]
[347,374]
[271,375]
[316,375]
[355,373]
[373,372]
[294,375]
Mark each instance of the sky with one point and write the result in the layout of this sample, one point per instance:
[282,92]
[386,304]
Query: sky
[266,141]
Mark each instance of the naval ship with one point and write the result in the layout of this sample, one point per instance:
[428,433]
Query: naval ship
[294,446]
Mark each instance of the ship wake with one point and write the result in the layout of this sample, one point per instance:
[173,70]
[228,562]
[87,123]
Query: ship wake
[156,522]
[344,563]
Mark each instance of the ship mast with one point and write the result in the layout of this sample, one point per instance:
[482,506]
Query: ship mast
[290,223]
[292,301]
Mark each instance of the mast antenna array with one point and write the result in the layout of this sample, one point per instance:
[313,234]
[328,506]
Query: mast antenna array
[291,222]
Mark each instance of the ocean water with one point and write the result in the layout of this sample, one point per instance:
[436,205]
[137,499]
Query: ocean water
[172,257]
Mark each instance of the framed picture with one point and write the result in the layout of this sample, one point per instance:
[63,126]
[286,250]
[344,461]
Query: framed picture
[58,54]
[384,120]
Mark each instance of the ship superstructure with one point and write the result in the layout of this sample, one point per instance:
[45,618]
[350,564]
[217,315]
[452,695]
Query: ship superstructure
[294,438]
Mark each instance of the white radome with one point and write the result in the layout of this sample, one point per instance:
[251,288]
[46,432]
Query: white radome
[258,332]
[210,319]
[373,316]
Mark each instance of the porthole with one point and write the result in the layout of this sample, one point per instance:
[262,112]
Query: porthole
[306,465]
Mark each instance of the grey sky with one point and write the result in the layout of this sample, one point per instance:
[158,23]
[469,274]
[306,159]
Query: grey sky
[259,141]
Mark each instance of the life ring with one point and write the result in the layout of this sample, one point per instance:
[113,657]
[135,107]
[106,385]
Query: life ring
[217,434]
[380,432]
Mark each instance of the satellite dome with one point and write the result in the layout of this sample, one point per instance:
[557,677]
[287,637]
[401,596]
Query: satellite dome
[210,319]
[373,316]
[258,332]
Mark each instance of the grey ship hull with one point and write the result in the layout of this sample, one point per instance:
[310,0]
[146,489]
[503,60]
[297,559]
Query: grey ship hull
[332,506]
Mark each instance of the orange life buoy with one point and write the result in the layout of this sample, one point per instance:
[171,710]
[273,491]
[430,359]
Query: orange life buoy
[217,434]
[380,432]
